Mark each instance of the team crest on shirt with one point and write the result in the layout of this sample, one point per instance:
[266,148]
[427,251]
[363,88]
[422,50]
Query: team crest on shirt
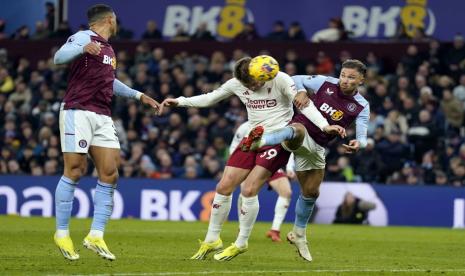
[351,107]
[82,143]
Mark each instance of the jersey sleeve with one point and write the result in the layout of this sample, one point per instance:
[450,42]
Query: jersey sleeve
[73,47]
[361,126]
[122,90]
[241,132]
[312,82]
[287,86]
[223,92]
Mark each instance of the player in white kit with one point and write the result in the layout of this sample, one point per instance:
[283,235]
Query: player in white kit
[269,104]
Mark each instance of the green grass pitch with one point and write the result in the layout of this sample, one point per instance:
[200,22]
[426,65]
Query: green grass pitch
[164,248]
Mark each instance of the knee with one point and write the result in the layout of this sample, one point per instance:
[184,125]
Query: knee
[109,175]
[224,187]
[248,191]
[74,173]
[313,192]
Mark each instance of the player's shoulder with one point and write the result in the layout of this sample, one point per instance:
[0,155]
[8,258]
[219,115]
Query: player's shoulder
[282,76]
[81,36]
[361,100]
[332,80]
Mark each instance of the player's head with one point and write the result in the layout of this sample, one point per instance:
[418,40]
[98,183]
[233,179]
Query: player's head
[102,14]
[241,72]
[352,75]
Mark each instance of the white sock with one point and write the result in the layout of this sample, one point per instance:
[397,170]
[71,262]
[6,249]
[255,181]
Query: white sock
[239,205]
[300,232]
[280,211]
[249,213]
[96,233]
[61,233]
[219,213]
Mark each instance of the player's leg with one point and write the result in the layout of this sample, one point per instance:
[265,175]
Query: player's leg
[248,212]
[73,131]
[293,135]
[310,181]
[221,206]
[106,162]
[282,186]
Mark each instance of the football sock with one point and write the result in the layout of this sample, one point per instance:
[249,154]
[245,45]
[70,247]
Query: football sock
[249,213]
[280,211]
[239,205]
[278,136]
[219,213]
[103,206]
[303,212]
[64,195]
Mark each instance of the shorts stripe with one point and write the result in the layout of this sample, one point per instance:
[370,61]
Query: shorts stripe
[70,131]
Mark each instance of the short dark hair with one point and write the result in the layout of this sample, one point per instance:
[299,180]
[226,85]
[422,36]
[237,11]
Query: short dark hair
[355,64]
[241,70]
[97,12]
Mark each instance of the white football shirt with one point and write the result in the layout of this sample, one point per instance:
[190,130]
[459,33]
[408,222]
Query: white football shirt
[270,106]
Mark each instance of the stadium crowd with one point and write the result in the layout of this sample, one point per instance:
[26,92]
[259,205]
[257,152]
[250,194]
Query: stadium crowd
[416,130]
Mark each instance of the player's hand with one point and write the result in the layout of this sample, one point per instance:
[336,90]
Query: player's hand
[149,101]
[335,130]
[301,100]
[92,48]
[352,147]
[170,102]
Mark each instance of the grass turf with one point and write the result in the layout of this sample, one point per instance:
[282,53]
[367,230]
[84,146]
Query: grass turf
[164,248]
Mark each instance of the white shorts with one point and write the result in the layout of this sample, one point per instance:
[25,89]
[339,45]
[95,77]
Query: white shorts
[309,155]
[80,129]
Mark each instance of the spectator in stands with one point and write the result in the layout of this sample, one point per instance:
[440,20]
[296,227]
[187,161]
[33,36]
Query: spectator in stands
[295,32]
[459,90]
[50,16]
[324,64]
[455,57]
[41,31]
[123,33]
[6,81]
[152,32]
[353,210]
[202,33]
[3,35]
[248,33]
[22,33]
[334,32]
[453,109]
[278,33]
[181,34]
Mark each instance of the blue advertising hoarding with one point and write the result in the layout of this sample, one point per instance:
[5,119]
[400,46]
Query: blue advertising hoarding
[190,200]
[374,19]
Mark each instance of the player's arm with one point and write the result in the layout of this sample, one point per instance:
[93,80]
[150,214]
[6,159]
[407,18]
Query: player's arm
[73,48]
[122,90]
[309,82]
[361,130]
[204,100]
[309,110]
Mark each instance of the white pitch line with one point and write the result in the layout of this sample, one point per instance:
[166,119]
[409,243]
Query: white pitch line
[273,271]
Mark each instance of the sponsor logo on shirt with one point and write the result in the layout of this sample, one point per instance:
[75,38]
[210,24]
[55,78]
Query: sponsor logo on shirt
[335,114]
[109,60]
[261,104]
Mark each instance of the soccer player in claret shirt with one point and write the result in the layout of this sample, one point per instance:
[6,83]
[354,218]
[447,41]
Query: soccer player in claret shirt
[86,126]
[339,101]
[269,104]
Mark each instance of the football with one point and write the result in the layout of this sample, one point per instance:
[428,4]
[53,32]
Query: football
[263,68]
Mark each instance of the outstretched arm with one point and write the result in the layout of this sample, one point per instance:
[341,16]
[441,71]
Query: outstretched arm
[122,90]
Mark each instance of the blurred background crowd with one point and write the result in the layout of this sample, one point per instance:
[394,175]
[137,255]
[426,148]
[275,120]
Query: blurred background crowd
[416,130]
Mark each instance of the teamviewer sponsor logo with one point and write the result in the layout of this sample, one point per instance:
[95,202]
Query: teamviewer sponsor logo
[261,104]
